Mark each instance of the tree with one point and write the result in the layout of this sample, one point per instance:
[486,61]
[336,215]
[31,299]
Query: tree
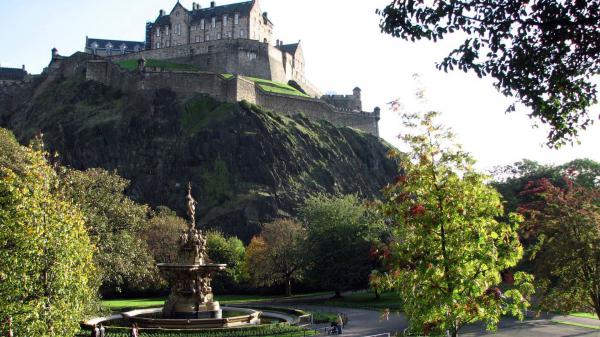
[47,278]
[231,251]
[565,223]
[114,223]
[277,255]
[542,52]
[511,180]
[340,232]
[449,248]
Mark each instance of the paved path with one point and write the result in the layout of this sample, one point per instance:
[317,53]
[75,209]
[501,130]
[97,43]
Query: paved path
[368,322]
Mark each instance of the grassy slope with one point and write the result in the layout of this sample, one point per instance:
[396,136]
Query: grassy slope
[584,315]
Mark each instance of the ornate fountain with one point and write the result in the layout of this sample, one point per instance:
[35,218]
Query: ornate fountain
[191,294]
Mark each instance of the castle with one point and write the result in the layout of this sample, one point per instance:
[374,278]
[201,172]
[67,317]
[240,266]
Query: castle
[232,39]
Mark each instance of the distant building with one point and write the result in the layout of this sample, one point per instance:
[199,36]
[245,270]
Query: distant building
[181,26]
[104,47]
[12,75]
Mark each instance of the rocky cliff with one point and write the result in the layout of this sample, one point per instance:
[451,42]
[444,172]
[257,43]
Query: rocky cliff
[247,165]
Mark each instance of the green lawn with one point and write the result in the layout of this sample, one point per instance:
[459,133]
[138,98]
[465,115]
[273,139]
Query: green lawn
[584,315]
[276,87]
[367,300]
[587,326]
[140,303]
[132,65]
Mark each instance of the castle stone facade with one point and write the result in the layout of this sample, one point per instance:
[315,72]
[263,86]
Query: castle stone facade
[232,39]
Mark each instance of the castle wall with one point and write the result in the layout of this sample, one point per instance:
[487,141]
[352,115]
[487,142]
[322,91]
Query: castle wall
[228,90]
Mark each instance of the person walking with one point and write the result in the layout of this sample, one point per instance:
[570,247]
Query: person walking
[340,323]
[134,331]
[95,331]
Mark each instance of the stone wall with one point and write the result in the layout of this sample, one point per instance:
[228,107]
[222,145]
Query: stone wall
[231,56]
[229,90]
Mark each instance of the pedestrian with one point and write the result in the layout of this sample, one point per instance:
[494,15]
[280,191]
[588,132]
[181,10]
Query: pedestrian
[134,331]
[340,323]
[95,331]
[102,331]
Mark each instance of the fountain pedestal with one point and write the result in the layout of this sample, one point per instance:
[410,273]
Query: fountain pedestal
[191,295]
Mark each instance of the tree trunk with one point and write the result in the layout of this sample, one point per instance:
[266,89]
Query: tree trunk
[288,286]
[596,301]
[377,296]
[338,293]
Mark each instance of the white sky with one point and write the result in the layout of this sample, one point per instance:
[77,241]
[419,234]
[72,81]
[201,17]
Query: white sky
[343,48]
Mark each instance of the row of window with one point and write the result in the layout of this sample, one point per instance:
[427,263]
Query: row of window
[109,48]
[209,37]
[236,21]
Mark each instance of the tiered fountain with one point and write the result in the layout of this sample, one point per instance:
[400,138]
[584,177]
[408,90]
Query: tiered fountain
[191,303]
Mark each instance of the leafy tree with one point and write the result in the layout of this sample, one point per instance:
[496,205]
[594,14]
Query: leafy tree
[114,222]
[511,180]
[47,278]
[542,52]
[565,223]
[231,251]
[277,255]
[340,232]
[449,247]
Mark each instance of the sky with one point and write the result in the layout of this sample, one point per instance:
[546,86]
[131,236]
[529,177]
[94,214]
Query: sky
[343,48]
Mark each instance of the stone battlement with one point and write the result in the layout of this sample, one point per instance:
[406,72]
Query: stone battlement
[234,89]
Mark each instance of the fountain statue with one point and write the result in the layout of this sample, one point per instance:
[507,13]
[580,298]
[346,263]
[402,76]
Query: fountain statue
[190,276]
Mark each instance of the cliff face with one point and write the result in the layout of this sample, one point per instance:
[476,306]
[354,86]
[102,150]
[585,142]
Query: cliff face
[246,165]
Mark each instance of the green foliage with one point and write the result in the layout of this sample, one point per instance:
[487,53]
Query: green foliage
[276,87]
[203,111]
[231,251]
[544,53]
[565,226]
[216,184]
[113,222]
[449,248]
[340,232]
[511,180]
[47,280]
[277,255]
[166,65]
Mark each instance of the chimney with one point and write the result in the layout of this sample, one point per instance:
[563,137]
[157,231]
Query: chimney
[277,43]
[265,15]
[161,12]
[23,67]
[54,53]
[212,4]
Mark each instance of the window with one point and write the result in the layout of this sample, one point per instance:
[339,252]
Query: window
[236,19]
[242,33]
[214,22]
[229,35]
[167,30]
[168,44]
[207,37]
[178,29]
[193,28]
[94,47]
[218,36]
[157,45]
[225,20]
[158,32]
[201,23]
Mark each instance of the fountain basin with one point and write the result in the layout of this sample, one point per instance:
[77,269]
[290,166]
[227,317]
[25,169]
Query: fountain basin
[140,317]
